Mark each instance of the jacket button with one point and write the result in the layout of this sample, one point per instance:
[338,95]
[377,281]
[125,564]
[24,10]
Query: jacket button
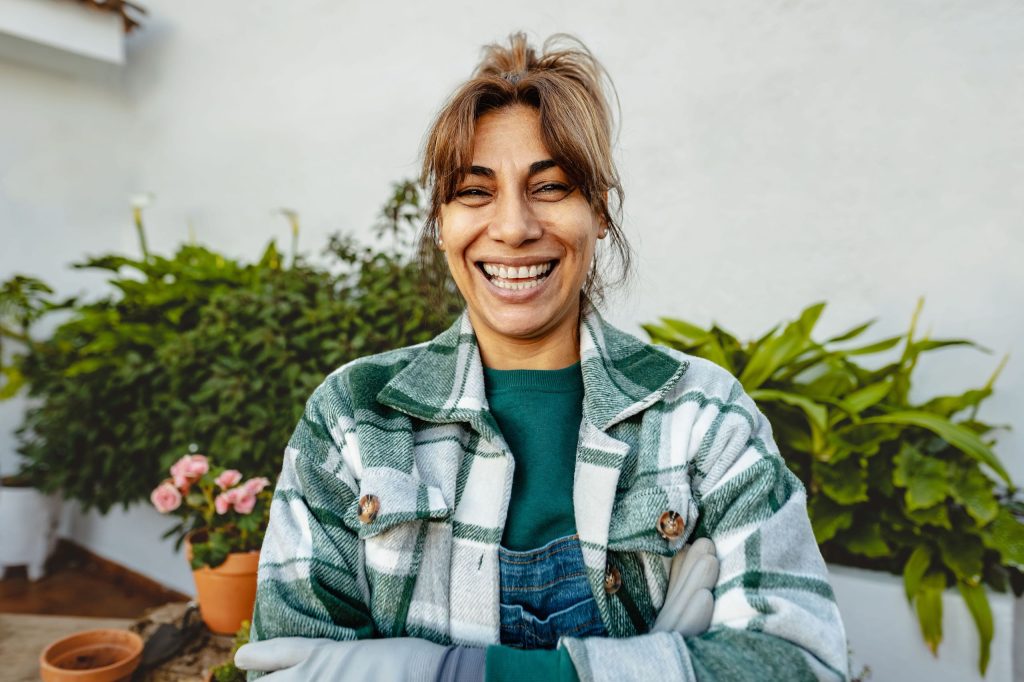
[670,525]
[612,579]
[369,505]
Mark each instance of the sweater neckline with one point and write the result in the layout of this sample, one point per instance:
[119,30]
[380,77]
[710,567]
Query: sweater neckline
[564,380]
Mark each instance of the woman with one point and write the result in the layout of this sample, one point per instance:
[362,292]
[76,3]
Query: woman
[511,500]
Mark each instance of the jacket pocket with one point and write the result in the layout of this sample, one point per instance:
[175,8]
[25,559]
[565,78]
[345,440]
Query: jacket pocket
[644,519]
[390,498]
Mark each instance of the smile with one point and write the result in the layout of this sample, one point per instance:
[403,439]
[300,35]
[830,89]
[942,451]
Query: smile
[515,278]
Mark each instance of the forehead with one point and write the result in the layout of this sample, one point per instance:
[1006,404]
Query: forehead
[509,136]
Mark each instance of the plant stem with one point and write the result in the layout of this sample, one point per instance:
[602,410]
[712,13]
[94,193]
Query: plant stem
[139,228]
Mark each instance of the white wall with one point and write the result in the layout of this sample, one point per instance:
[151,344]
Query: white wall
[773,154]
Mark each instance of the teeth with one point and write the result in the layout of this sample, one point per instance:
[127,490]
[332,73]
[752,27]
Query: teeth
[515,286]
[522,272]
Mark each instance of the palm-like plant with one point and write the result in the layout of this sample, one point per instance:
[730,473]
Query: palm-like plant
[892,485]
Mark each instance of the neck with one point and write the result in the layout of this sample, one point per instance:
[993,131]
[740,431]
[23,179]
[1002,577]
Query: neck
[556,349]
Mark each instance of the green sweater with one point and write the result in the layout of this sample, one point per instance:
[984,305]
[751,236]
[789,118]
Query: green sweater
[539,414]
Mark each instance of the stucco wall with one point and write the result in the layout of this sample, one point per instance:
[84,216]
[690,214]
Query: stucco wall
[773,154]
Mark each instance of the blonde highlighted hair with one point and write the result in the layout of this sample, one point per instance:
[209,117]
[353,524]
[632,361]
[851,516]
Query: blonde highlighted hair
[566,84]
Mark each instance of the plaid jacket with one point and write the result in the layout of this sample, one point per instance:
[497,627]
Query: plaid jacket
[391,502]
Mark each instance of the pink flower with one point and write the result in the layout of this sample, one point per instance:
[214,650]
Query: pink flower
[228,478]
[224,501]
[165,497]
[254,486]
[188,469]
[244,503]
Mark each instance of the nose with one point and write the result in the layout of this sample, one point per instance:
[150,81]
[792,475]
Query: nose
[513,222]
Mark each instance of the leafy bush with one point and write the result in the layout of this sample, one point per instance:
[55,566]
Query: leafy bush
[201,349]
[892,485]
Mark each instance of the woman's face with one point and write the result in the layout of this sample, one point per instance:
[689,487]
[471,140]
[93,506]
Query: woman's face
[518,236]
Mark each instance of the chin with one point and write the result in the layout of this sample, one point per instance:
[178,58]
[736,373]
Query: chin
[522,323]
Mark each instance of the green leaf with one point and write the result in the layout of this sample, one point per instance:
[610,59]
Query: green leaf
[914,570]
[959,437]
[869,396]
[949,405]
[1005,534]
[844,481]
[973,490]
[780,349]
[876,347]
[817,414]
[962,553]
[851,333]
[925,478]
[928,605]
[691,333]
[937,515]
[977,603]
[866,539]
[827,517]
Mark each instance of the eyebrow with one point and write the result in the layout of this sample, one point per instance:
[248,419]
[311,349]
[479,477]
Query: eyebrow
[535,167]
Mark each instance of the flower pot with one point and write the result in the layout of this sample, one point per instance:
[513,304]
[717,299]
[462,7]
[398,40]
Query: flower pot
[227,593]
[884,634]
[28,528]
[92,656]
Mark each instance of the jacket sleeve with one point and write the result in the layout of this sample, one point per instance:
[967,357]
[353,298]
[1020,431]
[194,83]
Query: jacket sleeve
[775,616]
[311,580]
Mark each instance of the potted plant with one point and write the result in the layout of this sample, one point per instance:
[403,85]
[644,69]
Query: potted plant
[893,485]
[28,515]
[223,519]
[28,524]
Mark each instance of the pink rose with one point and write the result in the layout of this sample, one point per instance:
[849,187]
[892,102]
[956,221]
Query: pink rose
[165,497]
[228,478]
[254,486]
[244,503]
[188,469]
[224,501]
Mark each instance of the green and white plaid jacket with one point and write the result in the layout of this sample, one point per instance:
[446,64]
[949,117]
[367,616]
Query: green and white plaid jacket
[661,431]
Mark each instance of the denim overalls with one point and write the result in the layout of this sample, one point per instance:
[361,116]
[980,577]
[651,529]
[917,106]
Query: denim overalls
[545,595]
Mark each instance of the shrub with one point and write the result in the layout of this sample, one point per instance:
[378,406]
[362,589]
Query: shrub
[199,350]
[892,485]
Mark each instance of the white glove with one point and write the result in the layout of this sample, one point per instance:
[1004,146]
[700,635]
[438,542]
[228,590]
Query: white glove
[299,659]
[688,603]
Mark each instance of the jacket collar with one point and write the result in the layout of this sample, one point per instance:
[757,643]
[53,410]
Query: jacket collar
[445,382]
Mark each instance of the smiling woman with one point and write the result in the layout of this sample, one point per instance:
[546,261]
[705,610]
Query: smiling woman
[519,237]
[535,494]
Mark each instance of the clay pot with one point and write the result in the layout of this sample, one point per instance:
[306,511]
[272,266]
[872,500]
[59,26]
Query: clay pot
[92,656]
[227,593]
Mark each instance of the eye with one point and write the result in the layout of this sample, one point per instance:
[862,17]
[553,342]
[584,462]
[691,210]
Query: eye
[473,196]
[552,191]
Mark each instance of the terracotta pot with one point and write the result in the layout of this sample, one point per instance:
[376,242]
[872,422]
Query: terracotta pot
[92,656]
[227,593]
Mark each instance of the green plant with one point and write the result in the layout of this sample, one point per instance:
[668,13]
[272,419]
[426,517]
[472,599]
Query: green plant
[226,671]
[892,485]
[201,349]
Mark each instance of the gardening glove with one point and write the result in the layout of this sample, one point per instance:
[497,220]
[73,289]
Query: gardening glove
[688,603]
[299,659]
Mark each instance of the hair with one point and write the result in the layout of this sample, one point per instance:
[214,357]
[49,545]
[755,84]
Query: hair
[565,83]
